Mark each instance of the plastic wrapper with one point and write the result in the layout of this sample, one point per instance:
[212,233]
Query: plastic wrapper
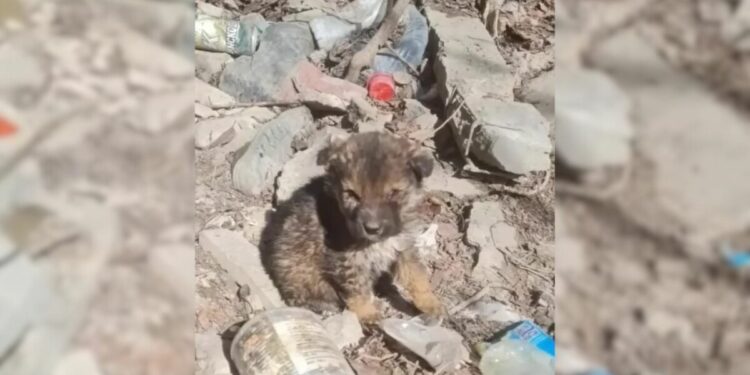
[441,347]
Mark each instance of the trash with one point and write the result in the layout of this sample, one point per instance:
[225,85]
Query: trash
[287,341]
[258,164]
[492,312]
[357,15]
[441,347]
[524,350]
[593,125]
[410,48]
[735,258]
[344,328]
[235,37]
[7,127]
[283,46]
[426,243]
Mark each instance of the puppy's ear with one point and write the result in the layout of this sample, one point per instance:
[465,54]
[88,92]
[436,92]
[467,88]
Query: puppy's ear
[335,141]
[421,163]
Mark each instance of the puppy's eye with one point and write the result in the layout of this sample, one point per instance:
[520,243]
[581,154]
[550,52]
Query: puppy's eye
[351,195]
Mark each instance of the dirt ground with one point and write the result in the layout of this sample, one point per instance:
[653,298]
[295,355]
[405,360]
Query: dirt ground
[219,308]
[641,302]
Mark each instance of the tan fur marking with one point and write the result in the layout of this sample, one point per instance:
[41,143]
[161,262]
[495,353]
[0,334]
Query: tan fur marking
[364,307]
[411,274]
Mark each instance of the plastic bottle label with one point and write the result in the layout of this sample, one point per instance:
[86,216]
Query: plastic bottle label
[307,348]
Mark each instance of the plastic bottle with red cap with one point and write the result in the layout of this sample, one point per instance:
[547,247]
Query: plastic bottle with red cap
[410,48]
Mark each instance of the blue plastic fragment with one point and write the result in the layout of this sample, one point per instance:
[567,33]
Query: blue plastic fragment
[736,258]
[531,333]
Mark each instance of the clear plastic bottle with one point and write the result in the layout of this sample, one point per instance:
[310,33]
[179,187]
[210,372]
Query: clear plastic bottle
[525,350]
[236,37]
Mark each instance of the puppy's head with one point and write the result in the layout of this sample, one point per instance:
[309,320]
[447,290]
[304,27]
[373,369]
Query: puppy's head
[375,178]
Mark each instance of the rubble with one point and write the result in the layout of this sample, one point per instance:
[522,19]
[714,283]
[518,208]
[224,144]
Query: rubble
[303,167]
[282,47]
[209,65]
[211,96]
[256,168]
[357,15]
[489,232]
[163,112]
[242,260]
[510,136]
[216,132]
[439,180]
[22,70]
[344,328]
[540,91]
[593,128]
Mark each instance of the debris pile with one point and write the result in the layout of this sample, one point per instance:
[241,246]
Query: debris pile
[320,70]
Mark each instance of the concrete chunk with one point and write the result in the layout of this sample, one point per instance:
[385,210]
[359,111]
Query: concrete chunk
[242,260]
[259,163]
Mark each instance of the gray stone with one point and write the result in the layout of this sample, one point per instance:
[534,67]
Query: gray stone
[593,120]
[211,96]
[260,77]
[344,329]
[488,232]
[696,165]
[202,111]
[513,137]
[212,10]
[214,132]
[209,65]
[259,163]
[304,16]
[468,58]
[242,261]
[440,180]
[540,91]
[163,112]
[303,167]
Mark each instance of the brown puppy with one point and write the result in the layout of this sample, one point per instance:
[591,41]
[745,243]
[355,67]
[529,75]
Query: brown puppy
[335,237]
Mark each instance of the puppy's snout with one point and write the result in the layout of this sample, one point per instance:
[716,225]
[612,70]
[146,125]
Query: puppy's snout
[371,222]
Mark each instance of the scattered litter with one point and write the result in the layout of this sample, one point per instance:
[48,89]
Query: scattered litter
[490,311]
[426,243]
[357,15]
[344,328]
[441,347]
[406,55]
[524,350]
[287,340]
[236,37]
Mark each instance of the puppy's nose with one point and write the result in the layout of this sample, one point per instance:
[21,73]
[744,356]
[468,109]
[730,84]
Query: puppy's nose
[372,227]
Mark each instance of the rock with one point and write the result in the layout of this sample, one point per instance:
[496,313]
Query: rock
[215,132]
[413,109]
[242,261]
[24,303]
[468,58]
[209,65]
[163,112]
[282,47]
[328,30]
[211,96]
[736,31]
[305,16]
[593,128]
[259,163]
[694,188]
[254,222]
[174,263]
[488,232]
[209,354]
[490,311]
[323,102]
[540,92]
[212,10]
[303,167]
[439,180]
[307,77]
[513,137]
[202,111]
[79,362]
[344,329]
[21,71]
[510,136]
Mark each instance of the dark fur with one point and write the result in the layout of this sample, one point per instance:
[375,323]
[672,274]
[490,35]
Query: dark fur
[336,236]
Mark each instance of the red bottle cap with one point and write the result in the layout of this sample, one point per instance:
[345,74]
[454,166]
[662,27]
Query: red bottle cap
[381,87]
[7,128]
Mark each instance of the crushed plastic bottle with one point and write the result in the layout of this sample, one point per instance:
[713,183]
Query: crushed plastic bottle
[410,48]
[235,37]
[524,350]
